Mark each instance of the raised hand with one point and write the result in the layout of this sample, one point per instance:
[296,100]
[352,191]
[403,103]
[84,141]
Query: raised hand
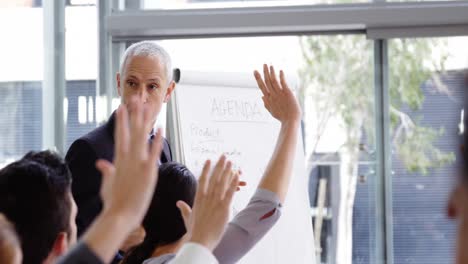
[129,183]
[280,101]
[186,211]
[278,98]
[212,203]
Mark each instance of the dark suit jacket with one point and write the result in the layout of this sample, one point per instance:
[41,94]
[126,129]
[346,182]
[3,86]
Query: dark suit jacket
[81,159]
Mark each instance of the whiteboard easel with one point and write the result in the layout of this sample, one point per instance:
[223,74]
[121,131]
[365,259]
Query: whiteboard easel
[215,113]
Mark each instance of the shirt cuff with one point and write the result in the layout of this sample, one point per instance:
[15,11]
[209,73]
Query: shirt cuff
[266,195]
[194,253]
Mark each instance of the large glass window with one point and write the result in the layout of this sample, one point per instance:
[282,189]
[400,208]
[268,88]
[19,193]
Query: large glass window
[21,67]
[426,95]
[22,53]
[339,118]
[81,66]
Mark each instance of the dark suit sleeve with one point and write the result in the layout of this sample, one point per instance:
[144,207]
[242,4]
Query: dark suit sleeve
[81,159]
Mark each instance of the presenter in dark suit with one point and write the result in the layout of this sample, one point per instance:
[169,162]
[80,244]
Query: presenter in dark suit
[145,76]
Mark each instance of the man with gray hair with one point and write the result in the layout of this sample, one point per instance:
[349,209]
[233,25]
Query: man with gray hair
[145,75]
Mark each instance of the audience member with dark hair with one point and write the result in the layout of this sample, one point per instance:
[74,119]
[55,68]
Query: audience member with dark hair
[35,195]
[164,226]
[163,222]
[10,247]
